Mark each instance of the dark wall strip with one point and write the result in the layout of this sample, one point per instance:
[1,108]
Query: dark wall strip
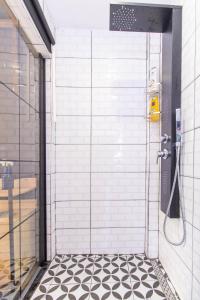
[42,196]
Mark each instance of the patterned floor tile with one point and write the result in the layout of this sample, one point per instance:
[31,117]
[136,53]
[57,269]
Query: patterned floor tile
[141,270]
[73,273]
[111,291]
[147,290]
[50,274]
[134,260]
[110,272]
[60,292]
[100,277]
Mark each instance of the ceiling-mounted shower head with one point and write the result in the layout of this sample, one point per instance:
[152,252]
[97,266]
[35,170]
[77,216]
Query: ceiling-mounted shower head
[141,18]
[123,18]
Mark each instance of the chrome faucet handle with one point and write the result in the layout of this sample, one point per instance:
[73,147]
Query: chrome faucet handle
[165,138]
[163,154]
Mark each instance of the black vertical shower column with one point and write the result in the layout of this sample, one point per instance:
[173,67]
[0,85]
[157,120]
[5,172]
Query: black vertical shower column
[171,99]
[167,20]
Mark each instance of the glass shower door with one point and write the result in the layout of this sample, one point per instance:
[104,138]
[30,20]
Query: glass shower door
[19,158]
[9,156]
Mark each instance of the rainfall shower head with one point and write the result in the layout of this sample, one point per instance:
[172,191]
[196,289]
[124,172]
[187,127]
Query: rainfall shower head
[141,18]
[123,18]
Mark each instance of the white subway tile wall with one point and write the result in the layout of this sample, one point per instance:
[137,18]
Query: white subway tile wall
[72,186]
[101,141]
[118,186]
[72,241]
[118,130]
[125,73]
[73,101]
[72,72]
[105,44]
[125,240]
[182,263]
[72,130]
[118,102]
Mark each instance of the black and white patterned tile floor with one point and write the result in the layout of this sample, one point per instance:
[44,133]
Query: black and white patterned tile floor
[99,277]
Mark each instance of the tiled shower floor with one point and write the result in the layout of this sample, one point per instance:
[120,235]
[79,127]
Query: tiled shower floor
[99,277]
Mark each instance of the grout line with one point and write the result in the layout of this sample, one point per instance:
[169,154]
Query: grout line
[146,158]
[99,200]
[104,116]
[91,152]
[187,176]
[190,130]
[176,254]
[191,224]
[194,142]
[149,153]
[189,38]
[190,83]
[100,87]
[140,172]
[109,172]
[67,144]
[105,227]
[101,58]
[159,175]
[55,220]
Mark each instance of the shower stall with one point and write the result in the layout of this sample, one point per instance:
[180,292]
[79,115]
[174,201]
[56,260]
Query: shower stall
[107,197]
[106,144]
[100,181]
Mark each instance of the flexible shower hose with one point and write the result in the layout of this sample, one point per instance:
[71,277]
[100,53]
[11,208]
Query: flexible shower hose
[176,176]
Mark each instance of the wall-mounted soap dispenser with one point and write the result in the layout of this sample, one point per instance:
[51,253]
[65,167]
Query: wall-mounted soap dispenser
[154,96]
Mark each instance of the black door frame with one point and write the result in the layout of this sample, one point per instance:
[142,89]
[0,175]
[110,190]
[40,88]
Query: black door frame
[39,19]
[34,8]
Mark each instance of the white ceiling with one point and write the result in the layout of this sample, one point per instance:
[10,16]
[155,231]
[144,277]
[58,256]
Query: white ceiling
[88,14]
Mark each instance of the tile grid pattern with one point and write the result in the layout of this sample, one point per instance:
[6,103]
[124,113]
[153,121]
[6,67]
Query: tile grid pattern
[98,137]
[91,142]
[182,263]
[100,166]
[100,277]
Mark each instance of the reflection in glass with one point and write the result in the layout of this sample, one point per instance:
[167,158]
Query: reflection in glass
[19,157]
[10,264]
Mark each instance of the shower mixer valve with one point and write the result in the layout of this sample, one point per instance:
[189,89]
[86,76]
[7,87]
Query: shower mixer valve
[165,139]
[163,154]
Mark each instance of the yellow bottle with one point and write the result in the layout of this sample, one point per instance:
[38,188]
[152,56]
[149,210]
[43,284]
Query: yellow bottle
[154,109]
